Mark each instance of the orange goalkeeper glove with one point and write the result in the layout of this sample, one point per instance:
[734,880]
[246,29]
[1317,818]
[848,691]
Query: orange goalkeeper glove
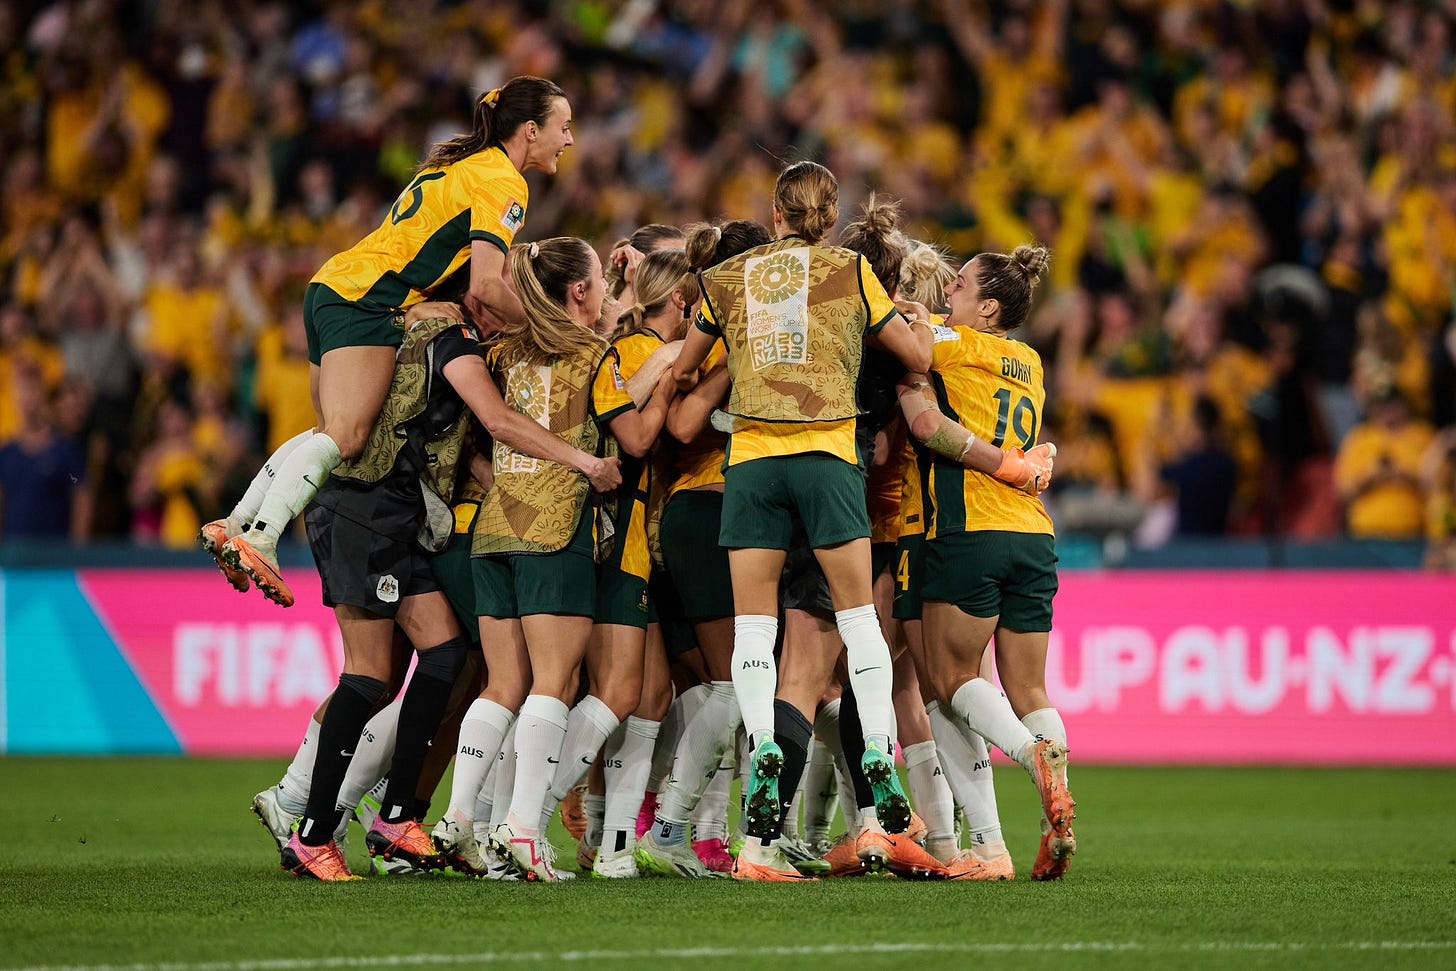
[1029,471]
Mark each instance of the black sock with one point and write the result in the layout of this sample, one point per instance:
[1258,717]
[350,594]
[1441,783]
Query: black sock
[348,710]
[792,732]
[419,718]
[851,736]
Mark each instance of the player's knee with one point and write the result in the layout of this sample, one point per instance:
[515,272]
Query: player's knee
[622,695]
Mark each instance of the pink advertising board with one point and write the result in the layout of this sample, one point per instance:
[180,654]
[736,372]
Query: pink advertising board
[1165,668]
[232,674]
[1250,667]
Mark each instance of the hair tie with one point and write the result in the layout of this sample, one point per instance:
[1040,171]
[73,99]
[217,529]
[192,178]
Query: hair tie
[534,250]
[491,97]
[718,234]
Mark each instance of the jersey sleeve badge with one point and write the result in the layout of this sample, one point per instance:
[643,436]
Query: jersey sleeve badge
[515,217]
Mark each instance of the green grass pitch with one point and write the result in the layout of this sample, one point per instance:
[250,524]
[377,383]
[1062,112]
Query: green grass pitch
[158,863]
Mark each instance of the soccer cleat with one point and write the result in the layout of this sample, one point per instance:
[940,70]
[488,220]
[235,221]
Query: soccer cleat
[965,865]
[275,819]
[496,867]
[714,855]
[1054,856]
[671,860]
[258,558]
[1049,771]
[532,857]
[457,847]
[908,860]
[761,805]
[647,814]
[573,812]
[405,840]
[843,858]
[324,863]
[213,536]
[873,849]
[617,865]
[776,869]
[892,808]
[804,859]
[398,867]
[917,830]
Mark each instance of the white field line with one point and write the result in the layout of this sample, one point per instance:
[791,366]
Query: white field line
[738,953]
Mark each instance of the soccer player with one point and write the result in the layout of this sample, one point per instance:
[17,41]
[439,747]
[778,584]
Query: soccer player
[626,646]
[990,554]
[793,374]
[467,202]
[698,566]
[534,549]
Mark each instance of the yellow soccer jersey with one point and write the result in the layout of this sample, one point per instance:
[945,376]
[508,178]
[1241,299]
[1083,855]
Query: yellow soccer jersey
[914,470]
[992,386]
[427,233]
[610,399]
[883,493]
[701,463]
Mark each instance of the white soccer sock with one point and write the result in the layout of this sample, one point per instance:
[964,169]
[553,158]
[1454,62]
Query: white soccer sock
[869,673]
[699,753]
[710,819]
[298,479]
[372,755]
[684,709]
[247,508]
[540,730]
[931,792]
[588,727]
[596,812]
[485,802]
[826,727]
[820,789]
[963,753]
[1045,723]
[297,779]
[481,735]
[989,714]
[755,676]
[628,762]
[791,817]
[505,778]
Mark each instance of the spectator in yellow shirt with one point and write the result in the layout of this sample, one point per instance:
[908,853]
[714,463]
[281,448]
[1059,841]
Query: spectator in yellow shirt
[1378,469]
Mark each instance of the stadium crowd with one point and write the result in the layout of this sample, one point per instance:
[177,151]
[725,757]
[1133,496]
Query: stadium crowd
[1248,324]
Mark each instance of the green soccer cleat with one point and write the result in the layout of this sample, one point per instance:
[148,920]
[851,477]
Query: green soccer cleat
[891,806]
[670,860]
[762,807]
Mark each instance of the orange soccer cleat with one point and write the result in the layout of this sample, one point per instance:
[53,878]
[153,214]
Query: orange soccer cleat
[909,860]
[1049,770]
[214,535]
[1054,856]
[775,868]
[405,840]
[253,558]
[843,858]
[324,863]
[967,866]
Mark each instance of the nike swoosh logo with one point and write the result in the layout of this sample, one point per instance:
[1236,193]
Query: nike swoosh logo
[553,761]
[586,760]
[863,670]
[347,755]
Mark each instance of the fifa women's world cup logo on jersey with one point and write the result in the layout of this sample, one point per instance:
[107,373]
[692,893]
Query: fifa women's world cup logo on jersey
[528,390]
[778,307]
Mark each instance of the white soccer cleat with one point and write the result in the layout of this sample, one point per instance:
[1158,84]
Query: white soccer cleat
[619,865]
[456,843]
[670,860]
[531,857]
[496,867]
[275,819]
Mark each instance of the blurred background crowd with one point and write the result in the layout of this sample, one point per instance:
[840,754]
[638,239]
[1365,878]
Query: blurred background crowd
[1248,326]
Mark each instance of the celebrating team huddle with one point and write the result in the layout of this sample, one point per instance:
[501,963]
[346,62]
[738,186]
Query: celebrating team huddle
[764,506]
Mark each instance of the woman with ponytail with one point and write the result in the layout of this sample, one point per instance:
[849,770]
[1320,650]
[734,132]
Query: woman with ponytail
[630,688]
[534,555]
[794,317]
[989,566]
[468,201]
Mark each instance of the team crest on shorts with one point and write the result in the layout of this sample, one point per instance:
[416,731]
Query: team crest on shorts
[515,217]
[388,589]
